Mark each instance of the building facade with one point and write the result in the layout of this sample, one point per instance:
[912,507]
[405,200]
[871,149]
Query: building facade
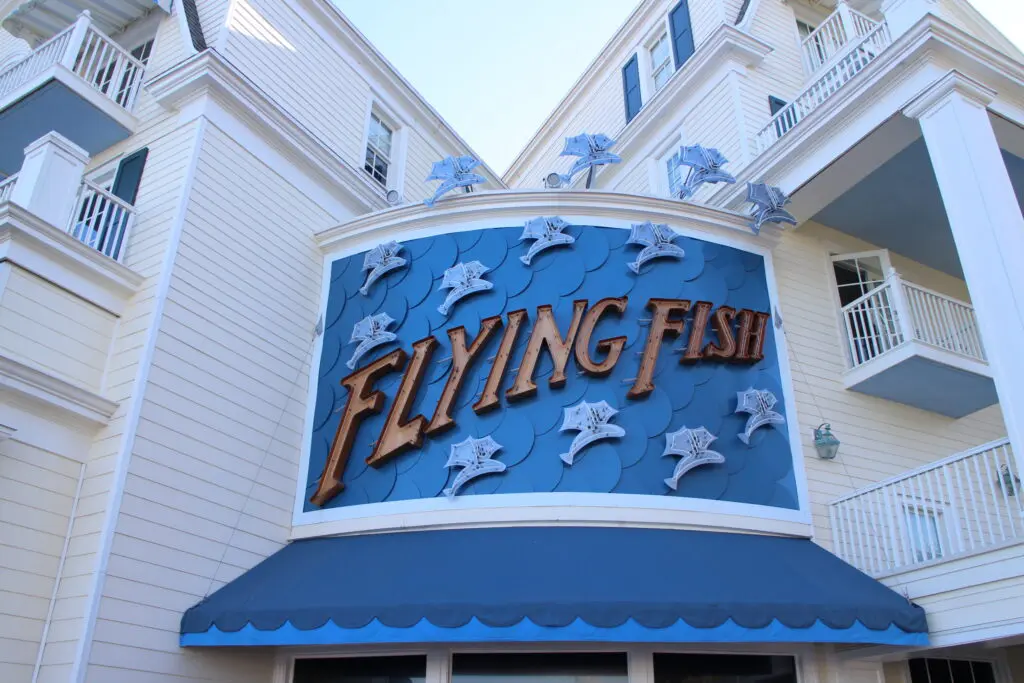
[266,415]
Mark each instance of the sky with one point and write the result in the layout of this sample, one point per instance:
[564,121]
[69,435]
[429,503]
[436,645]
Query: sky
[495,69]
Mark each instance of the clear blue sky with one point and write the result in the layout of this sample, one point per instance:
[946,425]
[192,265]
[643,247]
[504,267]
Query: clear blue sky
[495,69]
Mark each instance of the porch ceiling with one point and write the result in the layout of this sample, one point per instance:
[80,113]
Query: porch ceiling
[898,206]
[42,19]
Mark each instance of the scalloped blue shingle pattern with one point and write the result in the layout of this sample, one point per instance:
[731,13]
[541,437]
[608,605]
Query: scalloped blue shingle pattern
[593,268]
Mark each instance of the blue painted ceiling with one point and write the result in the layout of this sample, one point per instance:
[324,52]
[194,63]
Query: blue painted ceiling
[898,207]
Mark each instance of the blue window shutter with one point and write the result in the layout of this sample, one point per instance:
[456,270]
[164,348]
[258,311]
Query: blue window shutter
[682,33]
[631,88]
[129,175]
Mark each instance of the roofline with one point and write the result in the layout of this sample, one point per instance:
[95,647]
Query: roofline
[390,76]
[596,68]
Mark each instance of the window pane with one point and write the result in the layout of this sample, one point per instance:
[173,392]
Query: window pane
[983,672]
[661,77]
[675,177]
[379,136]
[598,667]
[361,670]
[660,52]
[939,671]
[680,668]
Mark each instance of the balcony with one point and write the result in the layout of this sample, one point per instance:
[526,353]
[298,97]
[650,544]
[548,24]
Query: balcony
[79,83]
[840,48]
[965,504]
[915,346]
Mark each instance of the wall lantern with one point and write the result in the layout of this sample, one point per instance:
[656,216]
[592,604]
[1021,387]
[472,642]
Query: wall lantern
[1008,481]
[825,442]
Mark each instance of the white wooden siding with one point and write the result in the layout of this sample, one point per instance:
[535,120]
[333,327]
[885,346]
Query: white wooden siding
[879,438]
[10,47]
[211,480]
[158,202]
[53,330]
[37,490]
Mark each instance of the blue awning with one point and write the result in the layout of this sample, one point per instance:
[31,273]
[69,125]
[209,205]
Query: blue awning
[528,584]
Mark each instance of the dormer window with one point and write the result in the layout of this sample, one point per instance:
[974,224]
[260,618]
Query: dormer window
[661,62]
[379,139]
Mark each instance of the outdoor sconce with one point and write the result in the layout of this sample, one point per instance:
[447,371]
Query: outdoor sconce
[825,442]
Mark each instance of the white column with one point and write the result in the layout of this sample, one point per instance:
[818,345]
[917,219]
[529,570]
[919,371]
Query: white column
[987,226]
[49,178]
[900,15]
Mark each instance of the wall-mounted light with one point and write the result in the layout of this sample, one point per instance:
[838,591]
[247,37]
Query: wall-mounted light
[825,442]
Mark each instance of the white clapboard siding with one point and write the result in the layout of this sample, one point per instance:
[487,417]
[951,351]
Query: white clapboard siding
[170,150]
[50,328]
[879,438]
[211,481]
[37,491]
[11,49]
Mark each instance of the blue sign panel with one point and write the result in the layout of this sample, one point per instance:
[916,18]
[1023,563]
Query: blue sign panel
[678,414]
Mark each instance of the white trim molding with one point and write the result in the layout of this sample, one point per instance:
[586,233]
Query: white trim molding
[21,383]
[937,95]
[6,432]
[31,243]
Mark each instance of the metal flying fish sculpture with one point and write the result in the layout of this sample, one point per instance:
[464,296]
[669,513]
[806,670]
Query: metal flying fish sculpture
[705,167]
[657,242]
[379,261]
[692,445]
[545,233]
[370,332]
[453,172]
[768,201]
[592,151]
[591,419]
[463,279]
[758,403]
[474,456]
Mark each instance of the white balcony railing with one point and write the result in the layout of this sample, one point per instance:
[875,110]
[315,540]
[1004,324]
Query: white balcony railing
[91,55]
[966,503]
[833,35]
[7,186]
[857,55]
[898,311]
[101,220]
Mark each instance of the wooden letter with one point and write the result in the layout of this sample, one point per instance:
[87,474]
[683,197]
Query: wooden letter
[725,349]
[751,336]
[545,334]
[462,358]
[612,347]
[399,433]
[661,324]
[362,400]
[694,348]
[489,397]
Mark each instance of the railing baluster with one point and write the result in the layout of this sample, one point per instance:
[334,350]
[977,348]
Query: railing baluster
[893,526]
[995,497]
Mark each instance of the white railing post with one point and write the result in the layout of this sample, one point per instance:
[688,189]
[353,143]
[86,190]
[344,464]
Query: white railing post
[901,308]
[846,18]
[49,178]
[74,45]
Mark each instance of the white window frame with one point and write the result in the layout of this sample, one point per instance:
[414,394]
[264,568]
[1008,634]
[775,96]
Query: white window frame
[662,27]
[668,65]
[811,16]
[997,659]
[657,163]
[883,255]
[940,514]
[399,143]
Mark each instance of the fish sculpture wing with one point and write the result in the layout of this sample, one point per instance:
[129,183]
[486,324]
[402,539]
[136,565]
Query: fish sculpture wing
[546,233]
[591,150]
[591,420]
[475,457]
[705,165]
[379,261]
[759,404]
[692,445]
[657,241]
[461,280]
[370,332]
[453,172]
[768,201]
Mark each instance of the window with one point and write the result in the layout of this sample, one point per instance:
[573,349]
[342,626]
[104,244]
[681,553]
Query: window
[923,531]
[699,668]
[631,88]
[815,53]
[378,150]
[858,274]
[675,176]
[682,33]
[593,667]
[361,670]
[950,671]
[661,62]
